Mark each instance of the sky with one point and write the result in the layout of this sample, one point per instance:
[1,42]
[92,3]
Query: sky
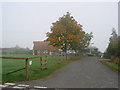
[25,22]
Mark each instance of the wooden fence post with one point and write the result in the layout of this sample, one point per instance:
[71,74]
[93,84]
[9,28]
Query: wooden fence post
[41,63]
[46,62]
[65,58]
[57,59]
[52,60]
[27,68]
[61,58]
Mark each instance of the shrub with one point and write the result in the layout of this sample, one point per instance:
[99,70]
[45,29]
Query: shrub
[117,60]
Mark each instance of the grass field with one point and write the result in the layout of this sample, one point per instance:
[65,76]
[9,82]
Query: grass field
[9,65]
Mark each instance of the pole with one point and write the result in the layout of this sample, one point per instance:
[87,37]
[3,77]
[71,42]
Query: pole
[27,68]
[41,63]
[52,60]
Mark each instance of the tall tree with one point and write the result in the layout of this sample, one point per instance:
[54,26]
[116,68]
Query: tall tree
[114,36]
[112,49]
[85,41]
[86,38]
[65,33]
[119,46]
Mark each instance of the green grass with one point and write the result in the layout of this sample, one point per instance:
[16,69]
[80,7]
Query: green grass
[112,65]
[9,65]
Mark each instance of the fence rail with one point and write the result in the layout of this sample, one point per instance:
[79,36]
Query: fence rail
[18,58]
[15,71]
[11,58]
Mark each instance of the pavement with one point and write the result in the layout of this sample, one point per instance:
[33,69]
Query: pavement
[85,73]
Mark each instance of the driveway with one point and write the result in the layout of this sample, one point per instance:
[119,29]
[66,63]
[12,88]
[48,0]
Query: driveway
[85,73]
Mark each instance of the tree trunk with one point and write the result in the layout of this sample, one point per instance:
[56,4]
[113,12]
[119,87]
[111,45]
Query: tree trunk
[66,53]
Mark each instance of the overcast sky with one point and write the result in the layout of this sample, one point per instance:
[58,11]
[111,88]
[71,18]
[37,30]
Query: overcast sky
[23,23]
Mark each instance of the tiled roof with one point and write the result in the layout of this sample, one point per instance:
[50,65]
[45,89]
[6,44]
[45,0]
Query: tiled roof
[43,45]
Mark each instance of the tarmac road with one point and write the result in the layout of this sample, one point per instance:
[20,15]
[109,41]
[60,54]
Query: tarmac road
[85,73]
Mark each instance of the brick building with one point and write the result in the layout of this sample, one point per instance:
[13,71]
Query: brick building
[42,47]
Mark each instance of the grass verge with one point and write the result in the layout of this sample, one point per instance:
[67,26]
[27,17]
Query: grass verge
[111,65]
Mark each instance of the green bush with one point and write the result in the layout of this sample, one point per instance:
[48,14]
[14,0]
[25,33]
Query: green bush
[117,60]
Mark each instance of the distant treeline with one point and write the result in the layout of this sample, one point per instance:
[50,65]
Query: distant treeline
[16,50]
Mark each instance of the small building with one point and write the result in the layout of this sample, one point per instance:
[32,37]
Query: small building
[43,47]
[91,50]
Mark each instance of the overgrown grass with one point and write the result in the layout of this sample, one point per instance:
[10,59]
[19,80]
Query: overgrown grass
[9,65]
[112,65]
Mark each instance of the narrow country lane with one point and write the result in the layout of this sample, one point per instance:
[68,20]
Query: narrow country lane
[86,73]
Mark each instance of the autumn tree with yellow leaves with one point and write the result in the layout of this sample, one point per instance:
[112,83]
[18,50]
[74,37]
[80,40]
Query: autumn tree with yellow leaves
[66,33]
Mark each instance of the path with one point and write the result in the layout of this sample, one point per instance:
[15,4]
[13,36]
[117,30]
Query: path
[86,73]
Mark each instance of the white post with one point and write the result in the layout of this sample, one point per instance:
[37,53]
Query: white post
[33,52]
